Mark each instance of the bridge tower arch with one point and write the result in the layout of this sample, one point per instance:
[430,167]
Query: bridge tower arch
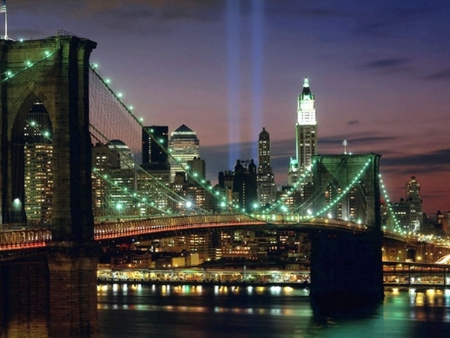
[54,71]
[346,267]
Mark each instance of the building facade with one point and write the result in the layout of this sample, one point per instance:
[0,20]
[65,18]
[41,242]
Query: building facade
[306,128]
[266,187]
[305,133]
[184,146]
[244,185]
[415,201]
[155,140]
[38,169]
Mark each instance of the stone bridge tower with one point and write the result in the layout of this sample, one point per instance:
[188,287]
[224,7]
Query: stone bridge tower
[346,267]
[57,292]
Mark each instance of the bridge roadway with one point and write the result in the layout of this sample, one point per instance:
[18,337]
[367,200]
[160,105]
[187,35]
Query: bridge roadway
[15,237]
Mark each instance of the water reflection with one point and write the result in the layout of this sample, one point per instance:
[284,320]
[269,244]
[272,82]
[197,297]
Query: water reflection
[188,311]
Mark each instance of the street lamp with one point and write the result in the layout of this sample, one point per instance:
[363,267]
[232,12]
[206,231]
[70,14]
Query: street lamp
[255,206]
[222,205]
[119,207]
[188,207]
[17,209]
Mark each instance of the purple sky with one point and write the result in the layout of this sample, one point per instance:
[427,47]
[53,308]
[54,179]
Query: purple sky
[380,71]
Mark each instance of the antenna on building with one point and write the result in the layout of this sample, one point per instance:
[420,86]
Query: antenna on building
[345,146]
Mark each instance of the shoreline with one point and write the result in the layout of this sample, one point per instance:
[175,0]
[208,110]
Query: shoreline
[206,283]
[420,288]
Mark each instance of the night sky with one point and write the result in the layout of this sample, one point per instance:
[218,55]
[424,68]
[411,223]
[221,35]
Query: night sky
[380,72]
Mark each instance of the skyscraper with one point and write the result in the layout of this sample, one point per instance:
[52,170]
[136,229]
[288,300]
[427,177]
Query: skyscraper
[306,143]
[306,128]
[265,178]
[152,151]
[244,184]
[198,168]
[184,147]
[38,169]
[413,198]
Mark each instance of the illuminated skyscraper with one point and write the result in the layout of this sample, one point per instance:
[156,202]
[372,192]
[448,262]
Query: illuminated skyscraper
[152,151]
[265,179]
[413,198]
[184,147]
[112,198]
[306,128]
[155,165]
[38,152]
[306,143]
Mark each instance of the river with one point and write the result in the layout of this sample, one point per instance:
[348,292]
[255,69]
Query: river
[203,312]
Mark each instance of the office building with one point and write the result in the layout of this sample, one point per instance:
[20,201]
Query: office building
[183,147]
[413,198]
[155,140]
[38,169]
[244,185]
[305,135]
[266,187]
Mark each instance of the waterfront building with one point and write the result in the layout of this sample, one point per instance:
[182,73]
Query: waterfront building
[183,147]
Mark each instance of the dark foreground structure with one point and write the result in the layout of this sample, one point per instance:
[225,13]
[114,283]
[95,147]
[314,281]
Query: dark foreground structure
[346,267]
[51,292]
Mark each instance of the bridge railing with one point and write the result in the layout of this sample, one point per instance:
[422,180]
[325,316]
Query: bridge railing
[23,238]
[12,239]
[114,229]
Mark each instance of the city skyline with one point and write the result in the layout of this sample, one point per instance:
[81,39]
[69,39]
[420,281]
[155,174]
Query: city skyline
[378,73]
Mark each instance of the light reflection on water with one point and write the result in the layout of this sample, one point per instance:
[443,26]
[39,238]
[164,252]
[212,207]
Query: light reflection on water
[245,311]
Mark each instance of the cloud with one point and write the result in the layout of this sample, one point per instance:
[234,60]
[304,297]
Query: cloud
[353,122]
[387,64]
[428,162]
[377,21]
[358,139]
[443,74]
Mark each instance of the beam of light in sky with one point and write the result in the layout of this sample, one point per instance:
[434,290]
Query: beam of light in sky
[233,53]
[257,18]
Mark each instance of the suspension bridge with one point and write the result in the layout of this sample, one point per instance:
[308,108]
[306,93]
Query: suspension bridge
[135,192]
[90,162]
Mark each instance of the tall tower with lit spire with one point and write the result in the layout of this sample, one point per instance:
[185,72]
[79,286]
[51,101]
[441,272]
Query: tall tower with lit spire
[305,128]
[305,138]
